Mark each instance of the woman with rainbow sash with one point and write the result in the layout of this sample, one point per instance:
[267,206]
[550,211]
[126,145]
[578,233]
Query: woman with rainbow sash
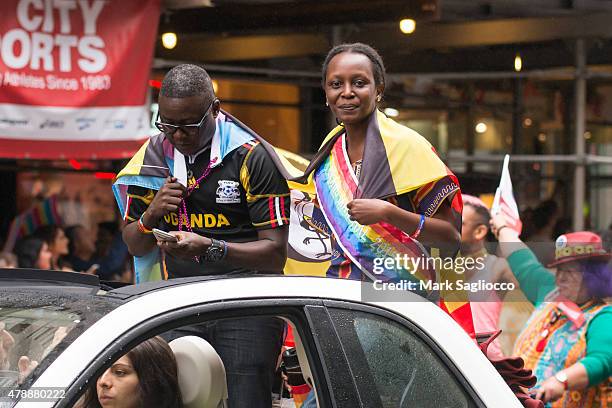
[382,193]
[375,192]
[567,341]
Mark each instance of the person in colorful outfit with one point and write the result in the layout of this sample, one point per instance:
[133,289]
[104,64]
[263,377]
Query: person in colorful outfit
[208,180]
[380,186]
[566,341]
[375,191]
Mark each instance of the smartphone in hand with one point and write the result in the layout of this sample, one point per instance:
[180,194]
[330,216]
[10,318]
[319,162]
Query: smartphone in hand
[164,236]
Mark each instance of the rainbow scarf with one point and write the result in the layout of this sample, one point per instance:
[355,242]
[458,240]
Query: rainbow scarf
[336,185]
[148,168]
[396,160]
[26,223]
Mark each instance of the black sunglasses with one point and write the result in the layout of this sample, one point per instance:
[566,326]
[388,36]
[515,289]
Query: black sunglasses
[170,129]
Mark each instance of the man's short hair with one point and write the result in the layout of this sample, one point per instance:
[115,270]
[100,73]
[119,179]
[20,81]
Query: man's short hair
[187,80]
[483,216]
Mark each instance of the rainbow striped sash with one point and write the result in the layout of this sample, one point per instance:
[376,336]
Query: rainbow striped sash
[26,223]
[368,246]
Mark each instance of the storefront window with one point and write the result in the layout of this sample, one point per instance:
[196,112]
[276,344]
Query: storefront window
[82,198]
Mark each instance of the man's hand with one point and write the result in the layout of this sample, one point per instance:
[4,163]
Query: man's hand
[550,390]
[166,201]
[26,366]
[188,245]
[368,211]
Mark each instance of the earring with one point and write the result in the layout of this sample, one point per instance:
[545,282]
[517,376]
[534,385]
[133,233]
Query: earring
[327,103]
[378,98]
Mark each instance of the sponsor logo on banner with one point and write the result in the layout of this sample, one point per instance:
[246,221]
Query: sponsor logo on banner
[9,122]
[115,124]
[84,123]
[52,124]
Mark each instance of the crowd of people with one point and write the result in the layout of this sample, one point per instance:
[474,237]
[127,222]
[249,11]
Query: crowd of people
[372,181]
[73,249]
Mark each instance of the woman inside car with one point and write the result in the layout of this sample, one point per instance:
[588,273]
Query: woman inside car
[566,341]
[144,377]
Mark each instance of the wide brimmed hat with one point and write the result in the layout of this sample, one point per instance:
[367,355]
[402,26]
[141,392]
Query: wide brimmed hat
[577,246]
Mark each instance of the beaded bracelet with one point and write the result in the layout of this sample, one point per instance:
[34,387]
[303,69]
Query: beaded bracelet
[141,226]
[417,232]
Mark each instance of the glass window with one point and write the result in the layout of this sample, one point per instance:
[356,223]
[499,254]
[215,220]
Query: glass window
[36,326]
[405,370]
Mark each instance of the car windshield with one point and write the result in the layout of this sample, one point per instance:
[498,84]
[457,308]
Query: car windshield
[37,325]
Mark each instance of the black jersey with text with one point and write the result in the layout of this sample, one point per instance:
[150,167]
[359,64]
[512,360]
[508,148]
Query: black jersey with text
[242,195]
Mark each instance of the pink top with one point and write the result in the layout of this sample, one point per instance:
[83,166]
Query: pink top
[486,308]
[486,319]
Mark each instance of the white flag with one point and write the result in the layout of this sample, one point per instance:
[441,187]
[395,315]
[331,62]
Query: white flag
[504,201]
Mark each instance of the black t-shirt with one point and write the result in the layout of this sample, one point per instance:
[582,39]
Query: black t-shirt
[242,195]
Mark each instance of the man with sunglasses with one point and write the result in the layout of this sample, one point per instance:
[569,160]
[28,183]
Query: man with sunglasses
[231,217]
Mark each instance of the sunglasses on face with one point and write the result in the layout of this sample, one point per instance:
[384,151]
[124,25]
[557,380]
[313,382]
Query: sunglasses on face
[169,129]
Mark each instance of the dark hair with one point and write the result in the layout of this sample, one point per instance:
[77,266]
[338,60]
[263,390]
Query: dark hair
[483,214]
[71,235]
[187,80]
[378,67]
[157,372]
[562,226]
[28,251]
[606,238]
[47,233]
[597,276]
[109,226]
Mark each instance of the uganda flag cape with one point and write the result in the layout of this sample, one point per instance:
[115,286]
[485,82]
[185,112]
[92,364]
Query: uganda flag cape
[157,159]
[396,161]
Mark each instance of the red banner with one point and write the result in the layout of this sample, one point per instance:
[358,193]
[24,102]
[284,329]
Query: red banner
[73,77]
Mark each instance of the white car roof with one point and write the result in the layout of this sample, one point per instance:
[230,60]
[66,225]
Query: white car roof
[463,351]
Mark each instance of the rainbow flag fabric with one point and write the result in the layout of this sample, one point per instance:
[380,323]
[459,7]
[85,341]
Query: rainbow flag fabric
[397,160]
[26,223]
[336,185]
